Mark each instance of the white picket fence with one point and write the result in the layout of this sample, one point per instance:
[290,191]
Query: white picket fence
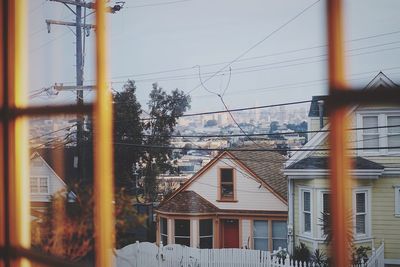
[377,258]
[149,255]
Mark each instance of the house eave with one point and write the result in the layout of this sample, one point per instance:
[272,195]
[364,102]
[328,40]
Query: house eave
[294,174]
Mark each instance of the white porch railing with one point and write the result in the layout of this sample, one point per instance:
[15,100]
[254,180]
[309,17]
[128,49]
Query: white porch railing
[149,255]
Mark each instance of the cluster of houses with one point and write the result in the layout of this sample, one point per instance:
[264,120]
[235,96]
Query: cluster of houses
[256,198]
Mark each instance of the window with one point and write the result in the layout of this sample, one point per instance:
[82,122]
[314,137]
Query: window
[361,213]
[227,184]
[325,209]
[182,232]
[279,234]
[370,137]
[164,231]
[306,211]
[206,233]
[260,235]
[397,200]
[393,132]
[39,185]
[376,134]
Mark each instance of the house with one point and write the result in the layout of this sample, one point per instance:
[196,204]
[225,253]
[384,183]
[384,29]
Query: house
[44,182]
[375,142]
[239,199]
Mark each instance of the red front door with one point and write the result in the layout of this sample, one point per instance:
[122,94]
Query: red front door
[230,232]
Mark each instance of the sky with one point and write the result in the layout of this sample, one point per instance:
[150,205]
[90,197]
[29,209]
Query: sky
[278,49]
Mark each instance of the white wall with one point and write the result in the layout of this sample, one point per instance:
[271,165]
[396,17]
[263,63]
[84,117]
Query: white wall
[55,183]
[250,195]
[246,228]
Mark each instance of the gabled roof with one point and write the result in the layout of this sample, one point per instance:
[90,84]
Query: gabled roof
[264,166]
[267,165]
[379,80]
[36,155]
[188,202]
[321,163]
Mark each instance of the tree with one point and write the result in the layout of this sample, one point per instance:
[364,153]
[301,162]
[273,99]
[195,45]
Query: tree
[128,129]
[273,126]
[165,110]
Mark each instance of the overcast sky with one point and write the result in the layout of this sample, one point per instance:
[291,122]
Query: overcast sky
[165,41]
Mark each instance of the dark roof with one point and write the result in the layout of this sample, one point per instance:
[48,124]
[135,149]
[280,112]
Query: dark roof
[267,165]
[190,202]
[322,164]
[187,202]
[314,107]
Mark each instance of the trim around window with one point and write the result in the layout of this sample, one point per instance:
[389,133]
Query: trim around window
[396,200]
[362,212]
[305,213]
[38,180]
[228,184]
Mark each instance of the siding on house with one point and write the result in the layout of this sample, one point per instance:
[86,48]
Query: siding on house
[385,225]
[249,194]
[38,167]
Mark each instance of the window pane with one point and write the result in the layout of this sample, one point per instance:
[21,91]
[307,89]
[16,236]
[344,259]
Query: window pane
[261,243]
[370,140]
[360,202]
[276,243]
[260,229]
[164,239]
[307,200]
[307,222]
[360,224]
[182,228]
[206,242]
[206,227]
[279,229]
[226,175]
[325,204]
[227,190]
[391,121]
[182,241]
[370,121]
[163,226]
[394,141]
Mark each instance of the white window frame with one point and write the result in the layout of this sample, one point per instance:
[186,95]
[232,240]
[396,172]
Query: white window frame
[397,200]
[382,132]
[320,207]
[301,212]
[37,178]
[367,191]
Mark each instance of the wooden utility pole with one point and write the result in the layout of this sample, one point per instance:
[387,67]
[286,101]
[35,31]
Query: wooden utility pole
[79,4]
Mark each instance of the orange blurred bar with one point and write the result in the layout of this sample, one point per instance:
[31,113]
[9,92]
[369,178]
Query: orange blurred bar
[103,152]
[17,140]
[339,160]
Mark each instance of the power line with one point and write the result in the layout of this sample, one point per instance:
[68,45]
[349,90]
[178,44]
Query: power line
[239,109]
[276,134]
[257,44]
[247,150]
[49,133]
[158,4]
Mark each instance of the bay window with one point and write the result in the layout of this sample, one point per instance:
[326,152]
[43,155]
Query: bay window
[182,232]
[279,235]
[260,235]
[164,231]
[206,233]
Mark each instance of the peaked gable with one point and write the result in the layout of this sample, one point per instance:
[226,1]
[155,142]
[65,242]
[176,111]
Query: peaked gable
[241,167]
[379,80]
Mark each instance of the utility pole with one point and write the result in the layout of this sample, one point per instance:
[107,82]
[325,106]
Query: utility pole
[79,54]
